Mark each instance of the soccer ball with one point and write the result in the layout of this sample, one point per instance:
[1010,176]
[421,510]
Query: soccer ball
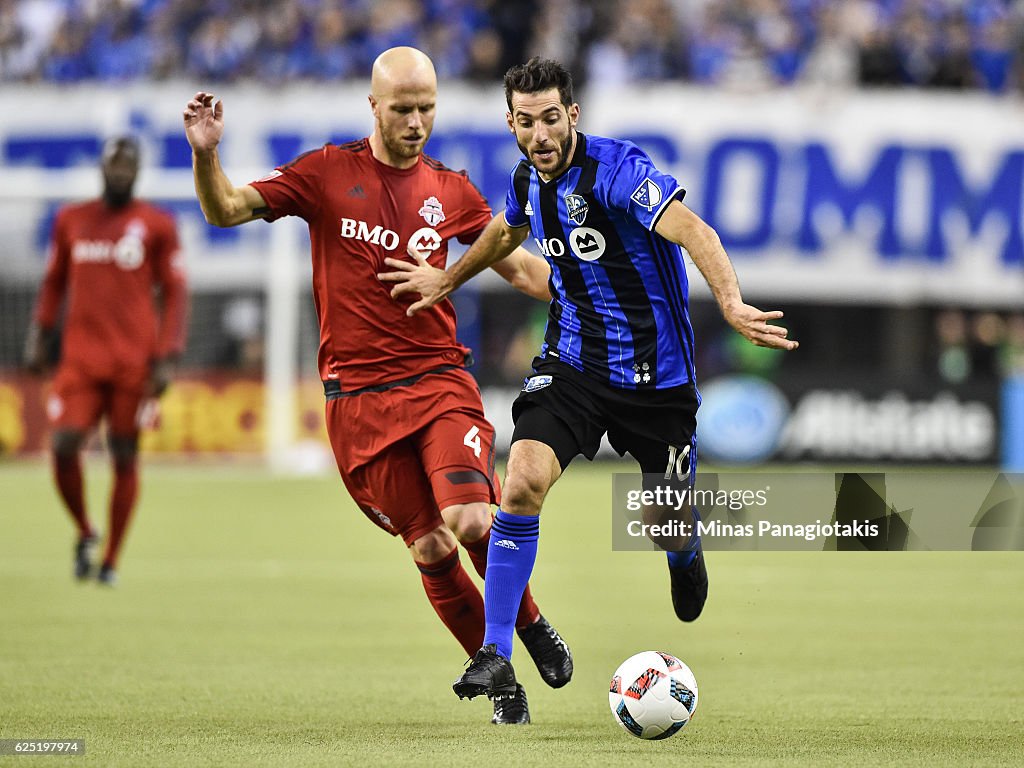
[653,695]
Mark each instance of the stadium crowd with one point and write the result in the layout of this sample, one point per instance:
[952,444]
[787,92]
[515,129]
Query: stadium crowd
[976,44]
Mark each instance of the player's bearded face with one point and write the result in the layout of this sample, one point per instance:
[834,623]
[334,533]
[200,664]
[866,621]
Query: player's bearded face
[405,121]
[544,130]
[119,171]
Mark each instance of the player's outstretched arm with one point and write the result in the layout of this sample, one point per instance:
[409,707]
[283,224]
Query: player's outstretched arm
[223,204]
[682,226]
[496,242]
[527,273]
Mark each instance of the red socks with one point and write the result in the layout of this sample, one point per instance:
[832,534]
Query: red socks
[122,503]
[67,472]
[456,600]
[528,611]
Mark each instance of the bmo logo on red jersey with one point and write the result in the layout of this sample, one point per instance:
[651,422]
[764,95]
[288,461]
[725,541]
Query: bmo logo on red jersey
[353,229]
[128,253]
[425,240]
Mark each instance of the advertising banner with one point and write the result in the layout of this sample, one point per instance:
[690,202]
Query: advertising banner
[883,197]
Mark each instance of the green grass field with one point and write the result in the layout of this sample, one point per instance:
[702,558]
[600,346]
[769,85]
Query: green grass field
[264,622]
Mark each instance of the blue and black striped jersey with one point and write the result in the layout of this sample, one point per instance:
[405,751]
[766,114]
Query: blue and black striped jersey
[620,308]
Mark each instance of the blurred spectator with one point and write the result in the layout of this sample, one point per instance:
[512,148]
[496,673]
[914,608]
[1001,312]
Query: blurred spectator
[953,359]
[988,332]
[215,54]
[636,50]
[118,49]
[283,51]
[832,60]
[391,23]
[332,58]
[1013,349]
[993,54]
[917,46]
[486,52]
[66,61]
[954,67]
[878,59]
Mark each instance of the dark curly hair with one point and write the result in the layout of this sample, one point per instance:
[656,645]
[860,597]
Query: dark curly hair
[538,75]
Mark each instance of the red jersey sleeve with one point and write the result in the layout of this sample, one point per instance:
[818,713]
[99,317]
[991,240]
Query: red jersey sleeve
[55,281]
[474,213]
[294,189]
[170,276]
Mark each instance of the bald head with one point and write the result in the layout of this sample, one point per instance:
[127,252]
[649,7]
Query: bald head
[402,68]
[403,94]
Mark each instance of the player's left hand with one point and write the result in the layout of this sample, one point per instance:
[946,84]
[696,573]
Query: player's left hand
[755,326]
[160,374]
[432,284]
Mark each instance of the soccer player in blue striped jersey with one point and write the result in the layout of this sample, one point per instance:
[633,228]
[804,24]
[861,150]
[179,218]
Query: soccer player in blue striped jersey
[618,352]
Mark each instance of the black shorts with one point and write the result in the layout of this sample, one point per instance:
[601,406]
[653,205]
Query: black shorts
[570,412]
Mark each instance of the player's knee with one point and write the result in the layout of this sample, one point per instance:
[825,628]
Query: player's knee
[124,449]
[66,443]
[468,522]
[433,547]
[523,492]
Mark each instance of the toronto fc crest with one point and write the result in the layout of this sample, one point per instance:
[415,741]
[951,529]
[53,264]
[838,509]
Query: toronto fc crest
[432,212]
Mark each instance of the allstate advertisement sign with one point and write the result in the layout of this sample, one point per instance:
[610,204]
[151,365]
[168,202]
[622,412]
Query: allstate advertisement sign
[847,197]
[747,420]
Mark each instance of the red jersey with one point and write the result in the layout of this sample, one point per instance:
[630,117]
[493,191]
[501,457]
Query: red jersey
[361,211]
[107,262]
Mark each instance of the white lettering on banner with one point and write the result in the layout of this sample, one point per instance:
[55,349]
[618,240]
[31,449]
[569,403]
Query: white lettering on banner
[845,424]
[359,230]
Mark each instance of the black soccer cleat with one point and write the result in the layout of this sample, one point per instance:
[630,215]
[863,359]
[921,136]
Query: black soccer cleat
[689,588]
[107,576]
[511,708]
[487,673]
[548,651]
[83,555]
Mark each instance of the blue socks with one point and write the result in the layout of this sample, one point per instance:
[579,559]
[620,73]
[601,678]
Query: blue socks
[510,558]
[684,557]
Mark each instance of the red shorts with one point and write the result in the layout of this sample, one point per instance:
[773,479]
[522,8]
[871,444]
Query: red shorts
[78,400]
[411,451]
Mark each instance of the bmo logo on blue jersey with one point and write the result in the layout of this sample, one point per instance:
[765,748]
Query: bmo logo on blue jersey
[353,229]
[588,244]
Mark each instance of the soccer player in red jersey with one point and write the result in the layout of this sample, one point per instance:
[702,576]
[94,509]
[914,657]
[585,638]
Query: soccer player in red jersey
[107,257]
[404,416]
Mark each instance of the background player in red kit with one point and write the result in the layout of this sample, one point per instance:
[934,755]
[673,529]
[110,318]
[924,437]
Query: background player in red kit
[107,257]
[404,416]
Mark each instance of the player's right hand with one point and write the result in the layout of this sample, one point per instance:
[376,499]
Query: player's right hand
[432,284]
[204,122]
[37,347]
